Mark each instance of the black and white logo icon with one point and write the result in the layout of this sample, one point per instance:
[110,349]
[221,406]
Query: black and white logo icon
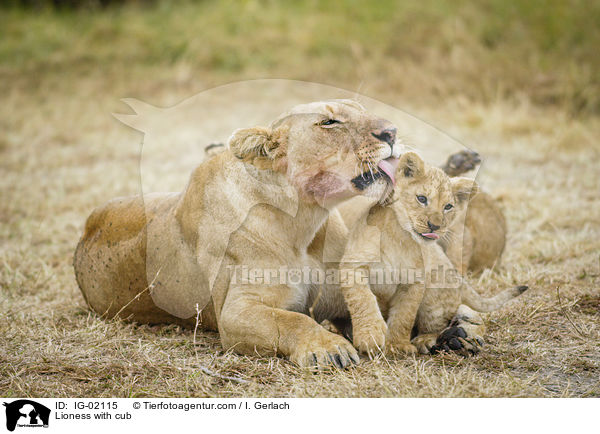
[26,413]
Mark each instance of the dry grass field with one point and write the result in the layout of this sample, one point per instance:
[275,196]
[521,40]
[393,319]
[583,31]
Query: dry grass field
[518,82]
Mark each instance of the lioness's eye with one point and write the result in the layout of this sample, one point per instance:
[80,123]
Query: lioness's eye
[448,207]
[422,199]
[330,122]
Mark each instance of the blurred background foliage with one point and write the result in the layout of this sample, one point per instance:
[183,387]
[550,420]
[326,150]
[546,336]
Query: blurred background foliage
[540,51]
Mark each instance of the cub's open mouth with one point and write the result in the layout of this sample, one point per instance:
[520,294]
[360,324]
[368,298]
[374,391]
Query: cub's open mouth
[429,235]
[387,169]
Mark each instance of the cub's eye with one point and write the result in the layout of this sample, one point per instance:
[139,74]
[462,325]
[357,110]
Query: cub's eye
[422,199]
[330,122]
[448,207]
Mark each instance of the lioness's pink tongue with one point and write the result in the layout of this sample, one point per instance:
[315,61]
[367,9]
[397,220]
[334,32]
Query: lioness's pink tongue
[431,235]
[389,166]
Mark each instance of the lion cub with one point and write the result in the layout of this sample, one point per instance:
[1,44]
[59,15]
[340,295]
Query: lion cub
[429,291]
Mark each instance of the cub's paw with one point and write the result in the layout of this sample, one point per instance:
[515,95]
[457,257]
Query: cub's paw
[325,350]
[461,162]
[401,347]
[424,343]
[369,336]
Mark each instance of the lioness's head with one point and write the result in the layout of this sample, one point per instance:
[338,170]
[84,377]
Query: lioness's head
[428,198]
[329,150]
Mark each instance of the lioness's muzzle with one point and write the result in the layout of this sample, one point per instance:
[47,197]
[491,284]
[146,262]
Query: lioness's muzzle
[386,167]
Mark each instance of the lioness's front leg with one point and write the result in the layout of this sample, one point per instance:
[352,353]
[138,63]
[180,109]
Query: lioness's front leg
[254,319]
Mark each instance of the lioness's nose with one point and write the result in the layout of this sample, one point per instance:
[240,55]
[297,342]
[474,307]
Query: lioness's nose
[388,136]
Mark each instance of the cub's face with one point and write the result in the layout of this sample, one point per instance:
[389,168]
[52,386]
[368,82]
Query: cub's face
[429,198]
[329,150]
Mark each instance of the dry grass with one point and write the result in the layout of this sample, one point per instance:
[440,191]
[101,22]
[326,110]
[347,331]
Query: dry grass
[61,154]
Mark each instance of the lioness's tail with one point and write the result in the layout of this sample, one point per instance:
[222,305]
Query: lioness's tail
[481,304]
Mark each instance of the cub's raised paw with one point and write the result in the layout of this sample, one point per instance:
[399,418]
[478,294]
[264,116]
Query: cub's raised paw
[461,162]
[325,351]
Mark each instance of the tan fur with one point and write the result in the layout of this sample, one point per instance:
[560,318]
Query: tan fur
[166,257]
[483,236]
[429,304]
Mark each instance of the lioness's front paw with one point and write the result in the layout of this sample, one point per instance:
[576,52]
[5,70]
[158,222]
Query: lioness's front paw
[325,350]
[369,336]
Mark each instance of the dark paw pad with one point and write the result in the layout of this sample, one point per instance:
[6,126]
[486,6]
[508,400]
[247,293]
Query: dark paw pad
[455,339]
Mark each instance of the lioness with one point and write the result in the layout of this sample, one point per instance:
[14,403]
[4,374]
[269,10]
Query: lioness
[156,258]
[425,203]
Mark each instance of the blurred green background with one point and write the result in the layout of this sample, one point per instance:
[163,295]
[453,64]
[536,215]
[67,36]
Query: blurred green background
[541,51]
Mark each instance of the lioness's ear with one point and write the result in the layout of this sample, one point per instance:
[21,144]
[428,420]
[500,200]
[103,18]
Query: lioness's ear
[246,142]
[464,188]
[411,165]
[259,146]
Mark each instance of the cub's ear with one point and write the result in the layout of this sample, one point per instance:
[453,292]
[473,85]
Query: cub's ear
[411,165]
[464,188]
[259,146]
